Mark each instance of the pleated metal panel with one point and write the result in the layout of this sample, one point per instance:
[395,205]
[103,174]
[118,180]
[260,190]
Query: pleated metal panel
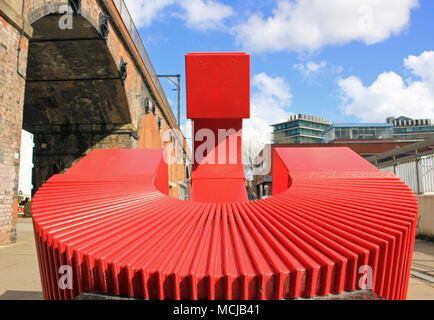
[333,217]
[334,214]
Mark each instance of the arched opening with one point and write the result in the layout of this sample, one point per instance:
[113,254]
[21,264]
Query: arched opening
[75,100]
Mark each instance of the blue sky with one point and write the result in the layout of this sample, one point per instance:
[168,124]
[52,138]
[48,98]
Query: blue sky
[348,61]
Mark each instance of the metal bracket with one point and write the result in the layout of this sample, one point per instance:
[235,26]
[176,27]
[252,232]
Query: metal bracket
[123,70]
[147,109]
[104,26]
[153,107]
[135,135]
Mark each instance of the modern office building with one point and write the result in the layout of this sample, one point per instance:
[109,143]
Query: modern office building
[405,128]
[399,129]
[300,129]
[358,131]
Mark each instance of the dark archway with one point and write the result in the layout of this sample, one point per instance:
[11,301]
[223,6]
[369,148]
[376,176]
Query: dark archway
[75,100]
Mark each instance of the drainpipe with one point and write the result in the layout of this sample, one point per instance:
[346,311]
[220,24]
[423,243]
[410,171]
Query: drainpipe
[19,42]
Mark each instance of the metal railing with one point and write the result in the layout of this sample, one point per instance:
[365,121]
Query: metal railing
[413,164]
[132,29]
[418,173]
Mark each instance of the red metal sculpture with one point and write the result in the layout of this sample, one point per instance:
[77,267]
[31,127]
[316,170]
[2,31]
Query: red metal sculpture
[218,98]
[334,224]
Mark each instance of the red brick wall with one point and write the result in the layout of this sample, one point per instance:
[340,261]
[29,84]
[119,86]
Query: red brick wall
[11,101]
[12,89]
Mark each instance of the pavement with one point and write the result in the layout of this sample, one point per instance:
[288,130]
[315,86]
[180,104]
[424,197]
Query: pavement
[19,270]
[421,285]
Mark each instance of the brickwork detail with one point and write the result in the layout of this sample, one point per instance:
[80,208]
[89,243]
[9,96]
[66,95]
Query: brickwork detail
[63,133]
[11,101]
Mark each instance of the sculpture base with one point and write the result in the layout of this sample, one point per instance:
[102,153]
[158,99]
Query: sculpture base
[353,295]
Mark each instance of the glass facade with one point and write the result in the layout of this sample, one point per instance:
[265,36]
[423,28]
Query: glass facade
[357,132]
[412,129]
[283,139]
[300,123]
[400,130]
[309,129]
[300,129]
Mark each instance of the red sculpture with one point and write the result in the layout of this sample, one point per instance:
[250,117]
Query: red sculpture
[335,223]
[218,98]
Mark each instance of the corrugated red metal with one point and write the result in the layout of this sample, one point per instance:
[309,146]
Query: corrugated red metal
[123,237]
[219,177]
[218,98]
[333,215]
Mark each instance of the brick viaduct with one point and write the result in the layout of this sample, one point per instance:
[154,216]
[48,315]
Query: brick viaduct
[66,86]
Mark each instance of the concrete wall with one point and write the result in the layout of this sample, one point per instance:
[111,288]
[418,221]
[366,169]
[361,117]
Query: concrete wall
[16,5]
[425,225]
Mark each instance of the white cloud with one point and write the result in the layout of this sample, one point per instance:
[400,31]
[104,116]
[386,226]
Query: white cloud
[312,71]
[186,129]
[308,25]
[309,69]
[144,12]
[337,69]
[422,66]
[390,95]
[204,15]
[270,101]
[198,14]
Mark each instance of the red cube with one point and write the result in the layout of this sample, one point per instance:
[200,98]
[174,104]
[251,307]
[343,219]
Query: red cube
[218,85]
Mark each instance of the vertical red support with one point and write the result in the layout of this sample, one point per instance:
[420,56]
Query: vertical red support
[218,98]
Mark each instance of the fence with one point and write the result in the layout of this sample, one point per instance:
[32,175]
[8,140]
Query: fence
[417,173]
[413,164]
[131,27]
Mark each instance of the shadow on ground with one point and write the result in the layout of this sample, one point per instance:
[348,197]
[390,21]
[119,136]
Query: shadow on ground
[21,295]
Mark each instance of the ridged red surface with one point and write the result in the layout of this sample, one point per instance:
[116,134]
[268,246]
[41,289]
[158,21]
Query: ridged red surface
[123,237]
[331,215]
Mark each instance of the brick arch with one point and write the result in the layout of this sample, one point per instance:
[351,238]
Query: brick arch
[41,10]
[75,99]
[16,21]
[90,15]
